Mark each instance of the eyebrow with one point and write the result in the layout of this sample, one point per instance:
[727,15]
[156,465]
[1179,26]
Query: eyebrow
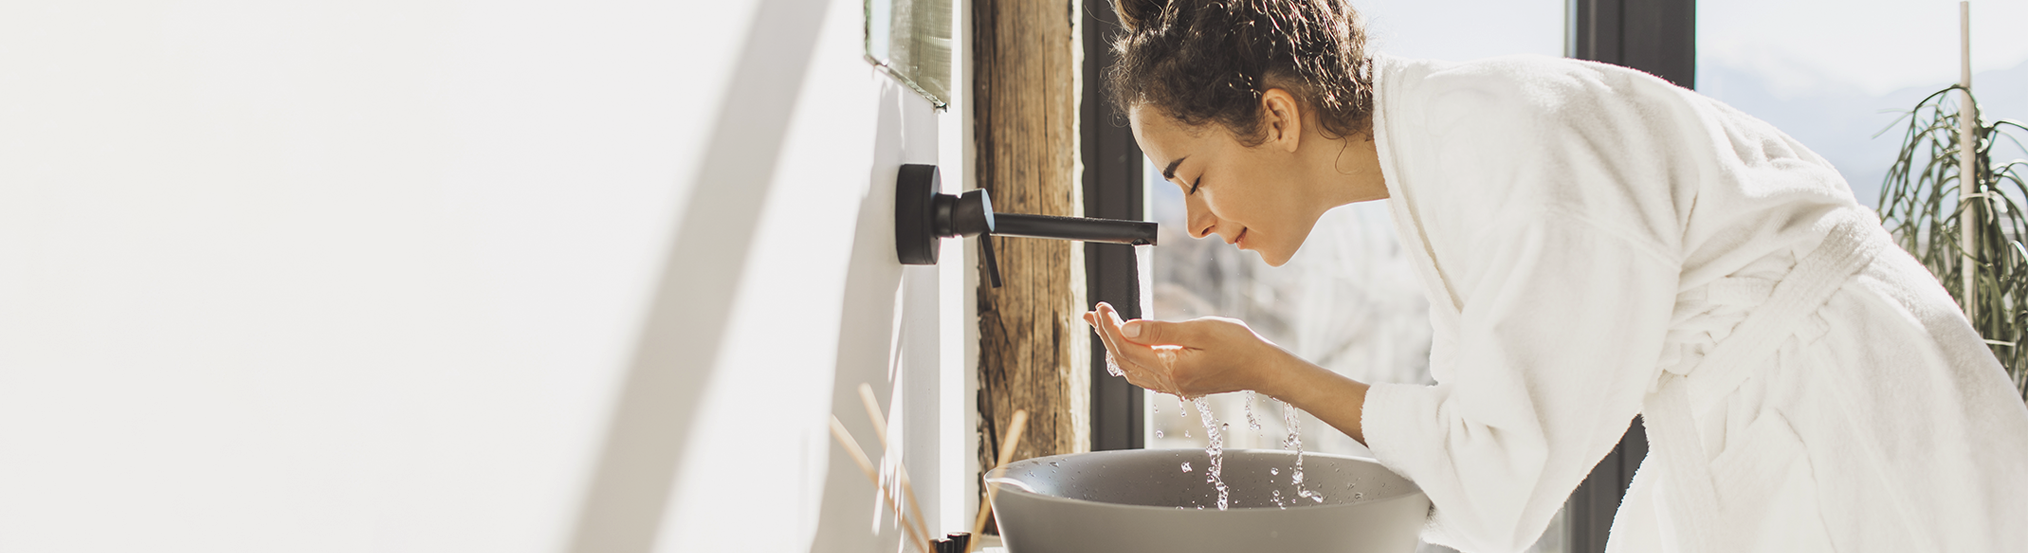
[1170,171]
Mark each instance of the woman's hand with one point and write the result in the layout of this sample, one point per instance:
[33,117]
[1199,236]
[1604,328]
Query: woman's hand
[1214,355]
[1191,358]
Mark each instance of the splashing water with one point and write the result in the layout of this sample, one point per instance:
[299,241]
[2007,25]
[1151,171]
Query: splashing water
[1251,422]
[1186,466]
[1293,420]
[1213,473]
[1112,366]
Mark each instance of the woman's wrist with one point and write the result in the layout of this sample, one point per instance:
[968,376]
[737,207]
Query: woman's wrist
[1286,377]
[1331,397]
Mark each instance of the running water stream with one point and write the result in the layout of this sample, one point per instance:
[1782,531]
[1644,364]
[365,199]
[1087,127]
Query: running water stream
[1213,431]
[1214,434]
[1294,420]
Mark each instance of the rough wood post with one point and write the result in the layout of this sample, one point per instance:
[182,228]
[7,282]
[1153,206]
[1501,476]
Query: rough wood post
[1033,348]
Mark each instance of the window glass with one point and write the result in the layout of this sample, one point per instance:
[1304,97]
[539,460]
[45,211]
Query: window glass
[1833,73]
[1348,300]
[910,40]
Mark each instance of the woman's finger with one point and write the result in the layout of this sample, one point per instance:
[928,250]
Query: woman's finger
[1134,374]
[1159,333]
[1116,326]
[1145,366]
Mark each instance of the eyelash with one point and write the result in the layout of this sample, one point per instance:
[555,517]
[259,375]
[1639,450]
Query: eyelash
[1194,184]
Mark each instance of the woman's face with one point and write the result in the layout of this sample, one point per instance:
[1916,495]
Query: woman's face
[1258,198]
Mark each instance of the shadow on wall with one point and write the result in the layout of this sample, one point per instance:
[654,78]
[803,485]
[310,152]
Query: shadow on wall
[898,359]
[679,342]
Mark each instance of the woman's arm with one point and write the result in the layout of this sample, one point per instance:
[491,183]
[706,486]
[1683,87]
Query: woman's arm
[1216,355]
[1333,398]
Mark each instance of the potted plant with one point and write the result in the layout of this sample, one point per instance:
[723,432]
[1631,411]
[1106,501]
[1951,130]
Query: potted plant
[1967,229]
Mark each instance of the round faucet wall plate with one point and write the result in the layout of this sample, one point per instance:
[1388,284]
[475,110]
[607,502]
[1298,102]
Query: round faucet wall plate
[915,193]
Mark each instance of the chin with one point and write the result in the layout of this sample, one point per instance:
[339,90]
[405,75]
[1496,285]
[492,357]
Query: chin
[1275,259]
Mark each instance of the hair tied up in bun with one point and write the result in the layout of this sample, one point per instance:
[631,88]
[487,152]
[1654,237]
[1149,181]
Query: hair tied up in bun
[1139,14]
[1204,61]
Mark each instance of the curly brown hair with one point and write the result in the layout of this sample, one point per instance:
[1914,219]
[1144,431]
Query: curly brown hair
[1202,61]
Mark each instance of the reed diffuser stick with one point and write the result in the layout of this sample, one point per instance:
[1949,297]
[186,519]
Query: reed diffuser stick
[851,446]
[1006,456]
[880,430]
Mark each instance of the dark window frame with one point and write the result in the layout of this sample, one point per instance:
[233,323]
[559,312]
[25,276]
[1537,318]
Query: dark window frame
[1113,189]
[1659,37]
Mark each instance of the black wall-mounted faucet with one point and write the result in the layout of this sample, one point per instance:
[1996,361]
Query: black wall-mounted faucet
[922,216]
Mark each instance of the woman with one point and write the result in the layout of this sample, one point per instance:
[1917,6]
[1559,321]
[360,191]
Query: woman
[1596,244]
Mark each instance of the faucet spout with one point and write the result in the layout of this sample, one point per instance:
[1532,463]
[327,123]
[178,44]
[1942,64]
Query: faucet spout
[1138,233]
[922,216]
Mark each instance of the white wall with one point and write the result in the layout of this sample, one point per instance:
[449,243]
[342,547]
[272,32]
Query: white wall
[447,276]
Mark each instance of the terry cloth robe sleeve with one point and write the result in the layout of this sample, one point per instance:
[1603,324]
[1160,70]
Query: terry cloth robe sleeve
[1560,317]
[1553,356]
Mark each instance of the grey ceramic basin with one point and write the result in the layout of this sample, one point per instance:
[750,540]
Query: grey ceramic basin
[1113,501]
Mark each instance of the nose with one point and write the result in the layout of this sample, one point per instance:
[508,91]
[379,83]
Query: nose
[1198,220]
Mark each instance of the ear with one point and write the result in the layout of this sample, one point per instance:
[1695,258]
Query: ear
[1282,117]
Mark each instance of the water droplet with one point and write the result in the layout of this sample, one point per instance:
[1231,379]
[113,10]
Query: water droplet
[1055,464]
[1200,507]
[1186,433]
[1276,472]
[1358,495]
[1186,466]
[1158,434]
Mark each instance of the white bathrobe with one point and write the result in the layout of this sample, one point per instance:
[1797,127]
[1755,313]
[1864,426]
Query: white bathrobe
[1588,232]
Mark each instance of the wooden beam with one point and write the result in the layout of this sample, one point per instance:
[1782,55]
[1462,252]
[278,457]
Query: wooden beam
[1033,348]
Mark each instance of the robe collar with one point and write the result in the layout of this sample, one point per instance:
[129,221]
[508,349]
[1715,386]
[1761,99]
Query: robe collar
[1400,203]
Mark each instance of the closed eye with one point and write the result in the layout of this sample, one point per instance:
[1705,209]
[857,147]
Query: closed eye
[1194,184]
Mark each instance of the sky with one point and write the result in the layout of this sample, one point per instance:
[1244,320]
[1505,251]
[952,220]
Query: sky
[1464,29]
[1873,46]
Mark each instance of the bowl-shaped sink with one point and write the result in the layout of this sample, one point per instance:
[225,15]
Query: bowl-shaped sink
[1143,500]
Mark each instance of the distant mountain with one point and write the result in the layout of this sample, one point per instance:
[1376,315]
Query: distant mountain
[1840,124]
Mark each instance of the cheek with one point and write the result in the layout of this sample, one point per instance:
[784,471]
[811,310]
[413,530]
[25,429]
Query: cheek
[1248,206]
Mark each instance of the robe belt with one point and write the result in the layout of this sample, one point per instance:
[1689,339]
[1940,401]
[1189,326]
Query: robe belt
[1848,247]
